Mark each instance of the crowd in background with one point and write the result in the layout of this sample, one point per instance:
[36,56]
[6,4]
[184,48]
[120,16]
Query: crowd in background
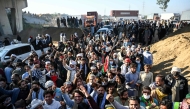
[84,72]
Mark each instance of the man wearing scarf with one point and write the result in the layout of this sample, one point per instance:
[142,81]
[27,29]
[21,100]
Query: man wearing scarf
[36,92]
[146,99]
[100,96]
[71,69]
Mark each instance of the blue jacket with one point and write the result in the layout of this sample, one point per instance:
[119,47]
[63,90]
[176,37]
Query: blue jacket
[13,93]
[58,95]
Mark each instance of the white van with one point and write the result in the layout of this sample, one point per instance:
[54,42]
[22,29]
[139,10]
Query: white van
[21,50]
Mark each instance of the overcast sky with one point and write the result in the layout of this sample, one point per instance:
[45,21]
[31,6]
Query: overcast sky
[78,7]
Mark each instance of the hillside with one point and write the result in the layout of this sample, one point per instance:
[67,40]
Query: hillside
[173,50]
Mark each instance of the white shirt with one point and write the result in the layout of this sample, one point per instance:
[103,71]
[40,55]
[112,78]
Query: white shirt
[29,40]
[64,38]
[54,105]
[124,69]
[61,37]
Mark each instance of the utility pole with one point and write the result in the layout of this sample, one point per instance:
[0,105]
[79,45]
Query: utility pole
[143,7]
[129,7]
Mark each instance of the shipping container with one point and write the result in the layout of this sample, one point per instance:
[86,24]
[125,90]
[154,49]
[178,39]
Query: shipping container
[185,16]
[170,16]
[153,16]
[91,18]
[124,13]
[93,13]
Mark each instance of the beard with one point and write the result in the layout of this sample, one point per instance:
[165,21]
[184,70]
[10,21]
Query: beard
[95,73]
[100,95]
[23,88]
[124,98]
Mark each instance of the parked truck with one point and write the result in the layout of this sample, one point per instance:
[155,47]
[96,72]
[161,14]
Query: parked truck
[91,19]
[153,16]
[185,16]
[170,16]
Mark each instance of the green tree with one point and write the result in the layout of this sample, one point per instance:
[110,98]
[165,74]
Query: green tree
[163,4]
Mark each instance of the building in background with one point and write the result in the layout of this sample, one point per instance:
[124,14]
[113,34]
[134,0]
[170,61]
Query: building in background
[125,14]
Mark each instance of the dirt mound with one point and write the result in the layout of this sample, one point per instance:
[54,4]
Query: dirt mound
[173,50]
[53,32]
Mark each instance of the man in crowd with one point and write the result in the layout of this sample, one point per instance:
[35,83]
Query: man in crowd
[100,96]
[178,84]
[78,99]
[132,80]
[17,93]
[50,103]
[122,98]
[159,82]
[148,58]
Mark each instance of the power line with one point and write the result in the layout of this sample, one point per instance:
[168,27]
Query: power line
[143,7]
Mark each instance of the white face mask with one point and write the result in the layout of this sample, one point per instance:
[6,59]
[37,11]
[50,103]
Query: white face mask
[90,83]
[110,79]
[146,96]
[104,83]
[138,62]
[78,62]
[107,49]
[139,52]
[111,62]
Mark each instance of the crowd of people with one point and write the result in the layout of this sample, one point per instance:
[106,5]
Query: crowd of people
[72,22]
[111,72]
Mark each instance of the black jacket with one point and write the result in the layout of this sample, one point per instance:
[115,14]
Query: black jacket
[183,85]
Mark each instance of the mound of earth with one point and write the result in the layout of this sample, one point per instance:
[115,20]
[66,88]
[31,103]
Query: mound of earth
[173,50]
[52,31]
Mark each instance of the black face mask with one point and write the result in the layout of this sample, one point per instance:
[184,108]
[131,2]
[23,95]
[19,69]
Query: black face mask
[35,89]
